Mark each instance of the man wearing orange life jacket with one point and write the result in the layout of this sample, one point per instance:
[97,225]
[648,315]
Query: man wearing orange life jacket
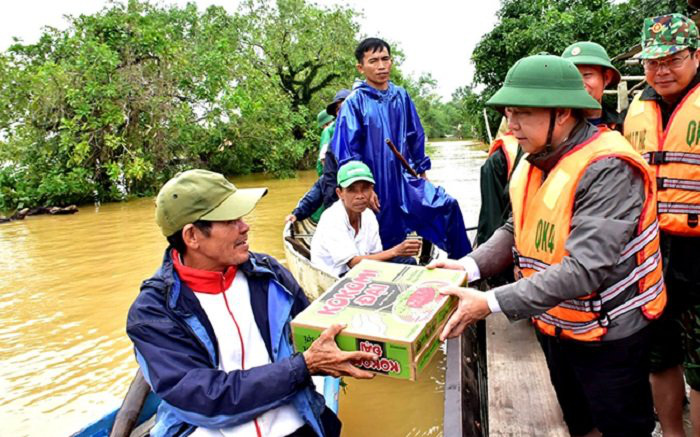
[495,173]
[585,239]
[598,74]
[504,155]
[662,124]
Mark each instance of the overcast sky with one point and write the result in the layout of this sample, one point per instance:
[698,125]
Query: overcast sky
[437,36]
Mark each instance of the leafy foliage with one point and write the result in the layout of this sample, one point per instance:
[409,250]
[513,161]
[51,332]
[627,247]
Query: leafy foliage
[121,100]
[527,27]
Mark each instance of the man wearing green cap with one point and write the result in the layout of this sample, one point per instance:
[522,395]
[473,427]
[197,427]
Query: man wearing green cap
[311,205]
[324,120]
[349,232]
[598,74]
[211,327]
[583,240]
[662,124]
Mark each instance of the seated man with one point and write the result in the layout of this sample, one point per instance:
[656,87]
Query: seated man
[348,231]
[211,328]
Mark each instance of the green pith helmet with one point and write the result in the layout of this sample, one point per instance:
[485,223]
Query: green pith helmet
[590,53]
[667,34]
[543,81]
[322,118]
[202,195]
[354,171]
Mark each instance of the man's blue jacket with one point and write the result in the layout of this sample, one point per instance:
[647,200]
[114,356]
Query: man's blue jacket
[367,118]
[177,351]
[311,201]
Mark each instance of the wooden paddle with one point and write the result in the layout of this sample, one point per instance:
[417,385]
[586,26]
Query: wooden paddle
[131,407]
[401,159]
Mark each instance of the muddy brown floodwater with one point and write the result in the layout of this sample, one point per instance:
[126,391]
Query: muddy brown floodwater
[67,283]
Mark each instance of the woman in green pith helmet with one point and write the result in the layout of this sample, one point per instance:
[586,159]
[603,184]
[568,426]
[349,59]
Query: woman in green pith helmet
[586,243]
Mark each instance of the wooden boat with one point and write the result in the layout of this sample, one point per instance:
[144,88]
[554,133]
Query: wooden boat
[136,416]
[297,251]
[465,378]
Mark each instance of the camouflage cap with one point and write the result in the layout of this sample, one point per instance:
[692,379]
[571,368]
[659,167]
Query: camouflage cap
[667,34]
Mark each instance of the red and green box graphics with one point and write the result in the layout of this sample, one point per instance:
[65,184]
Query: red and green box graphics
[393,310]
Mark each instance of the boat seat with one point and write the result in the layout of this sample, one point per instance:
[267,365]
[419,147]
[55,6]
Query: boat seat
[300,247]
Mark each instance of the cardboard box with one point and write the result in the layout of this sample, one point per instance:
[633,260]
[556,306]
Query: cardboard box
[393,310]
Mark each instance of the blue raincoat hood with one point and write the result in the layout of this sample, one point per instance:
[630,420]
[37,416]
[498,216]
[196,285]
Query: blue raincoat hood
[367,118]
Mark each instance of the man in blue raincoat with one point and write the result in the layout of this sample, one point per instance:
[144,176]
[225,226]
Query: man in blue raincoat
[378,110]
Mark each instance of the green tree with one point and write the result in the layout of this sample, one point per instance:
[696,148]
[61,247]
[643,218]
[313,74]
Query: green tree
[300,55]
[121,100]
[527,27]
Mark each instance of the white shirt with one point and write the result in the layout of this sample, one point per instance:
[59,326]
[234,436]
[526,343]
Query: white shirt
[335,242]
[277,422]
[473,273]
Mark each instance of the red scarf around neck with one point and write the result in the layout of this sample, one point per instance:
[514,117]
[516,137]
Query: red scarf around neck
[203,281]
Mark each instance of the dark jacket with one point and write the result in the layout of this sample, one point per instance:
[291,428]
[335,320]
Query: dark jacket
[495,199]
[312,201]
[329,179]
[610,118]
[175,347]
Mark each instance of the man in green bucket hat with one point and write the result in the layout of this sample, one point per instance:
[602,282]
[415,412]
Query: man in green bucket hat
[582,224]
[598,74]
[662,124]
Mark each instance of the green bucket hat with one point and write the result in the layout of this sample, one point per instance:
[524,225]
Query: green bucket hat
[352,172]
[202,195]
[543,81]
[322,118]
[590,53]
[667,34]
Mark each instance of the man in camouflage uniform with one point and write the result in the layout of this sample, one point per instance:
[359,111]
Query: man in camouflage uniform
[662,124]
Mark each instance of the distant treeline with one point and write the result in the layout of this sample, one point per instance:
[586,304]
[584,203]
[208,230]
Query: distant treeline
[121,100]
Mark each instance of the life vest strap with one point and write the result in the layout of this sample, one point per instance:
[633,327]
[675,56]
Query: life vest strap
[525,262]
[613,291]
[605,318]
[640,241]
[679,184]
[665,157]
[635,245]
[678,208]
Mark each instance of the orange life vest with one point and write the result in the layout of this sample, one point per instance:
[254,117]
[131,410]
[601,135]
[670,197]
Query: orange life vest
[542,213]
[674,155]
[509,144]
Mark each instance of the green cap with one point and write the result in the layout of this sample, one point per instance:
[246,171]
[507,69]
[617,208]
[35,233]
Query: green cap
[322,118]
[667,34]
[354,171]
[543,81]
[590,53]
[202,195]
